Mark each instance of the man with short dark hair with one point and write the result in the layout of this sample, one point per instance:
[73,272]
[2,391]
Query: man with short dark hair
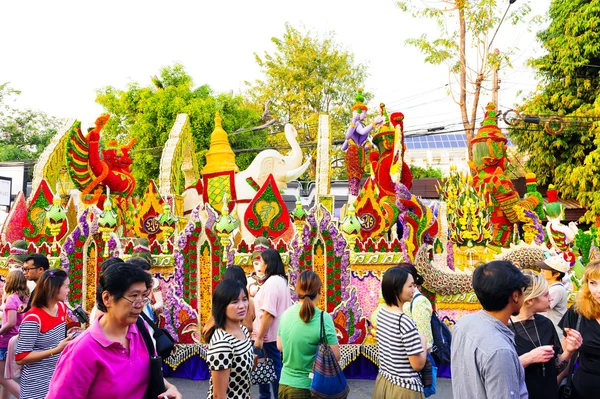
[484,362]
[34,266]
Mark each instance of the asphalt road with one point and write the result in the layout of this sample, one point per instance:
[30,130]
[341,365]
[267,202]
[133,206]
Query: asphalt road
[358,388]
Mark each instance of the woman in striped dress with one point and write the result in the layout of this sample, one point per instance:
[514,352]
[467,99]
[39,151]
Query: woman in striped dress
[402,349]
[230,355]
[42,334]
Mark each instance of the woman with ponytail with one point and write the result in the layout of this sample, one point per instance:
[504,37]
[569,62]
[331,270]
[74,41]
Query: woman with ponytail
[298,337]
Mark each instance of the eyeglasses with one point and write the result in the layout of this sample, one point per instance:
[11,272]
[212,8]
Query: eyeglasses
[138,299]
[26,269]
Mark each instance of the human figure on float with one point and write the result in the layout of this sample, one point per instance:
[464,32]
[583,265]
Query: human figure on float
[357,143]
[489,164]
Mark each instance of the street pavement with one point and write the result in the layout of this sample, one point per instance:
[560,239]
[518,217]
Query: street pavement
[358,388]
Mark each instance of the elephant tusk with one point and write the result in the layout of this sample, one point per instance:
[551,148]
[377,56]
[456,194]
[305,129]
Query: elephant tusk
[295,173]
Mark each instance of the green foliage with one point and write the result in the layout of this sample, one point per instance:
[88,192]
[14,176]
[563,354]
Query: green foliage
[429,171]
[464,44]
[23,133]
[148,113]
[569,88]
[304,77]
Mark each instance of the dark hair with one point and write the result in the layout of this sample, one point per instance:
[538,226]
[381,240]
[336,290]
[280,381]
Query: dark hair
[409,267]
[308,287]
[495,282]
[274,263]
[117,279]
[236,273]
[48,286]
[109,262]
[226,292]
[561,275]
[392,284]
[39,260]
[141,262]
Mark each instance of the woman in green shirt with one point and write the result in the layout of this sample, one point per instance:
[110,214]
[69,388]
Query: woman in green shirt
[298,338]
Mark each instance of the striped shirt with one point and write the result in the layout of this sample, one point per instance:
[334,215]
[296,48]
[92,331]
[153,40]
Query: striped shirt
[227,352]
[39,332]
[398,338]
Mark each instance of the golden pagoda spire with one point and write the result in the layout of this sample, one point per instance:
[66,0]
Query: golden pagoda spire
[220,156]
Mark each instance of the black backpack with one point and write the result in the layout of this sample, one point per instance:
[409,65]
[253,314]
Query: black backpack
[442,337]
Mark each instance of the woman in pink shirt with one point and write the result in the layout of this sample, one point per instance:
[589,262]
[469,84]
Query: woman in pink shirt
[15,294]
[270,302]
[110,359]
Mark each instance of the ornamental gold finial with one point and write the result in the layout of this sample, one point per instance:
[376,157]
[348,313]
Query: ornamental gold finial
[220,156]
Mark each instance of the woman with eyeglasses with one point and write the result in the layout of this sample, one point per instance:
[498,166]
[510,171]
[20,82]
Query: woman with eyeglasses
[110,359]
[42,334]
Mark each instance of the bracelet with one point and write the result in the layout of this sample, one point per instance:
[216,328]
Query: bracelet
[51,354]
[352,125]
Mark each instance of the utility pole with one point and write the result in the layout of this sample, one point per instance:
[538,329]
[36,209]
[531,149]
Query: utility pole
[496,82]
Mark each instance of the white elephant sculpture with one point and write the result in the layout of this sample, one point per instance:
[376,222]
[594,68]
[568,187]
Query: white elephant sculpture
[283,168]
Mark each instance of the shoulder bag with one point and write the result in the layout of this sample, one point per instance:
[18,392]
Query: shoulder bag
[565,391]
[329,381]
[156,385]
[164,342]
[264,373]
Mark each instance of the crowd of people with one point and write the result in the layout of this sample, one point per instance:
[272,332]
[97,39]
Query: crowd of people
[524,343]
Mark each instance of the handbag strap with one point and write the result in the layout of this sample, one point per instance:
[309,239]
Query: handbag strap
[322,336]
[146,335]
[574,357]
[151,324]
[412,300]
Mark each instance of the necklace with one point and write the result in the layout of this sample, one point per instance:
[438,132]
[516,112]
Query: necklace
[533,343]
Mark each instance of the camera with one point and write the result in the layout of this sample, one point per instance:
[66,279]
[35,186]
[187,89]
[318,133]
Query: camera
[81,315]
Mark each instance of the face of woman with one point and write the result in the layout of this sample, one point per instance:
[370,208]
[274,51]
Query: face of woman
[237,309]
[63,291]
[260,267]
[408,290]
[594,286]
[542,302]
[128,308]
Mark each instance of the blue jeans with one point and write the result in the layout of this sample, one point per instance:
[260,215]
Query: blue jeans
[270,351]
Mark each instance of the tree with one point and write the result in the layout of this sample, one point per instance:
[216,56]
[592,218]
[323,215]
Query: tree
[24,133]
[569,88]
[428,171]
[304,77]
[465,25]
[148,113]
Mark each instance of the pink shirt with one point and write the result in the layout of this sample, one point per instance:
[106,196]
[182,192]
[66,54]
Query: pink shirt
[12,303]
[94,367]
[273,297]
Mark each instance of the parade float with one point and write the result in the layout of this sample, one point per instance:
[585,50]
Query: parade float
[194,223]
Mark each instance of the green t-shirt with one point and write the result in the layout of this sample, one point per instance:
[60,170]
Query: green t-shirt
[299,341]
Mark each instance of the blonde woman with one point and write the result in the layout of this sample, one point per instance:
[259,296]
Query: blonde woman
[540,350]
[586,381]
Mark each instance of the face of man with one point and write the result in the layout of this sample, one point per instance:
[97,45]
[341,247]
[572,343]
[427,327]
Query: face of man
[517,301]
[32,273]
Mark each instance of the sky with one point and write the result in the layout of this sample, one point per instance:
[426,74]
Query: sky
[58,53]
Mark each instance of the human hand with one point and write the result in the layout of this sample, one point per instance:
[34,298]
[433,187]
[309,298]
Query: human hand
[21,308]
[61,345]
[542,354]
[255,362]
[572,341]
[171,393]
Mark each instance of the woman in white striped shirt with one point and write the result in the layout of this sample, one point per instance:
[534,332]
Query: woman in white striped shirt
[401,346]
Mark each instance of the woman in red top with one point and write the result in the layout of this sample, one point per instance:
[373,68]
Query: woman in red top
[42,334]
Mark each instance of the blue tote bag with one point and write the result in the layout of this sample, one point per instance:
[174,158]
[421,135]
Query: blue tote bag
[329,382]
